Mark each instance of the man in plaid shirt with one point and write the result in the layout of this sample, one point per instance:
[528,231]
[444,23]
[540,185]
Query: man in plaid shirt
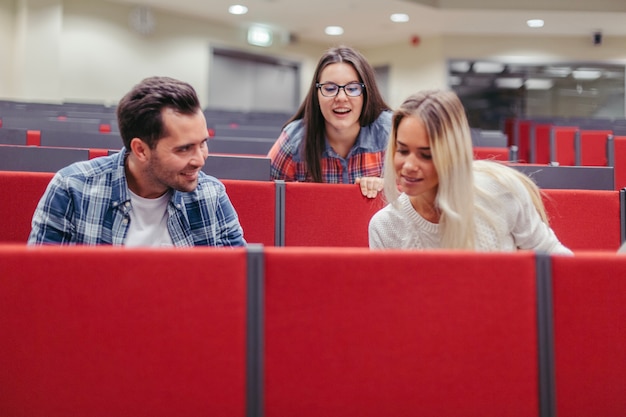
[151,193]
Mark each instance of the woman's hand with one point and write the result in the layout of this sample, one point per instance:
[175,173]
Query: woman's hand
[370,186]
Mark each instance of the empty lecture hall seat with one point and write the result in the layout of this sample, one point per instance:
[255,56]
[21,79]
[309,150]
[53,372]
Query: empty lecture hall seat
[235,167]
[73,139]
[247,130]
[9,136]
[589,303]
[518,133]
[21,191]
[245,146]
[118,332]
[593,147]
[494,153]
[353,332]
[562,145]
[327,214]
[238,167]
[255,203]
[39,158]
[585,219]
[569,177]
[54,123]
[619,152]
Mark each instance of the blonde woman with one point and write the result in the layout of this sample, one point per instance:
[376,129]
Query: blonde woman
[439,197]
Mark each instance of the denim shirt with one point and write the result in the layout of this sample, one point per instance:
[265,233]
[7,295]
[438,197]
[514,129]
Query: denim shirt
[88,203]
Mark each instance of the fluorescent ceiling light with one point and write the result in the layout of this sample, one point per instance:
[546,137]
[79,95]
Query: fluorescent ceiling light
[399,17]
[586,74]
[237,9]
[259,36]
[538,84]
[510,83]
[334,30]
[488,67]
[535,23]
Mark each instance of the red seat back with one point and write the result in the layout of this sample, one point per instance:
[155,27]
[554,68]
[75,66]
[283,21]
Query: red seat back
[589,334]
[20,191]
[351,332]
[327,214]
[255,203]
[593,147]
[585,219]
[619,142]
[111,331]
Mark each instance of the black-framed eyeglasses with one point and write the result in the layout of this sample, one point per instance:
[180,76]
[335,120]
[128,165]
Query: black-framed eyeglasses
[332,89]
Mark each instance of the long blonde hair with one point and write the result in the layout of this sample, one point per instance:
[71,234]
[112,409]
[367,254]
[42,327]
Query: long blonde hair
[446,124]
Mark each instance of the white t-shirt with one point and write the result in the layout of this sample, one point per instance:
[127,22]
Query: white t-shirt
[148,221]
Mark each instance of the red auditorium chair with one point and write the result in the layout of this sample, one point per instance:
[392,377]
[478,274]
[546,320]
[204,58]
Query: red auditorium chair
[349,332]
[327,215]
[110,331]
[589,303]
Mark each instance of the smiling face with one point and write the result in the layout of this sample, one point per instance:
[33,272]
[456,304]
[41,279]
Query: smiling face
[178,157]
[415,171]
[341,113]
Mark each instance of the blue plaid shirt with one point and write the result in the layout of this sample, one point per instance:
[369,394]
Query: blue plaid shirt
[88,203]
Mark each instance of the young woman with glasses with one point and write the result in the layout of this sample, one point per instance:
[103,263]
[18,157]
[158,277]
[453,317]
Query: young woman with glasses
[339,134]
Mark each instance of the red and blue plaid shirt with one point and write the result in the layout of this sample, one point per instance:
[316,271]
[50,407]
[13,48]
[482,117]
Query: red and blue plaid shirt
[365,159]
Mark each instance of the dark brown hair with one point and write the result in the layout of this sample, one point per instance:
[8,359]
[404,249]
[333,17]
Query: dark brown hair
[139,111]
[309,111]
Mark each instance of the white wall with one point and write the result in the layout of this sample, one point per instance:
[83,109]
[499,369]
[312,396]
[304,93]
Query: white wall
[412,68]
[102,57]
[7,18]
[37,45]
[85,50]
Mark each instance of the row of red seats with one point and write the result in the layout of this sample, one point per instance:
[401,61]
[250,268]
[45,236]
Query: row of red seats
[310,214]
[541,142]
[310,331]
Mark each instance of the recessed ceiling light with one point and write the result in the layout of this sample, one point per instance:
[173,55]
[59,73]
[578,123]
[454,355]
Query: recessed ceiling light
[334,30]
[237,9]
[535,23]
[399,17]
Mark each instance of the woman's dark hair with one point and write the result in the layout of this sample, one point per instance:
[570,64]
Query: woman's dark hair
[309,110]
[139,111]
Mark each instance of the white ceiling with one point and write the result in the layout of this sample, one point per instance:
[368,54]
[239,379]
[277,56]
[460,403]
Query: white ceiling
[367,23]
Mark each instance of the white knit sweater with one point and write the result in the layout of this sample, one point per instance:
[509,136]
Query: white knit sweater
[513,224]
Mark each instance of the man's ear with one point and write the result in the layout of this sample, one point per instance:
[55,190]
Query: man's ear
[140,149]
